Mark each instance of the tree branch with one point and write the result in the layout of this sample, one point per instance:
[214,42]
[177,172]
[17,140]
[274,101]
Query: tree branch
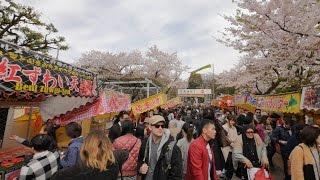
[288,31]
[14,21]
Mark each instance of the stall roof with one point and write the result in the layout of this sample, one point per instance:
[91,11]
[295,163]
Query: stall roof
[136,84]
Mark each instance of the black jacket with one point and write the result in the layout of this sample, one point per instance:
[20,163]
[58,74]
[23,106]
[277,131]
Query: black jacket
[81,172]
[280,133]
[162,171]
[114,132]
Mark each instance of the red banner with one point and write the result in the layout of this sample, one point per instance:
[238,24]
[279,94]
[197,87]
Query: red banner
[107,102]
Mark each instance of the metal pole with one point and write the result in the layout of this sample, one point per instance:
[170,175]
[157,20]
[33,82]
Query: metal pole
[148,89]
[29,123]
[213,86]
[57,53]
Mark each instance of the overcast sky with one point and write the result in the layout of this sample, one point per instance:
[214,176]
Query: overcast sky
[184,26]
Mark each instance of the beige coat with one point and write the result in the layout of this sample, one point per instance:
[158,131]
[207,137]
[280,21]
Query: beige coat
[298,158]
[238,151]
[232,136]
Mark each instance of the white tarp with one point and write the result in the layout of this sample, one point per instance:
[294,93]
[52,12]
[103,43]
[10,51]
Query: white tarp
[57,105]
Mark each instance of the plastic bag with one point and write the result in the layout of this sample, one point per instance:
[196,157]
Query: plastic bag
[258,174]
[262,174]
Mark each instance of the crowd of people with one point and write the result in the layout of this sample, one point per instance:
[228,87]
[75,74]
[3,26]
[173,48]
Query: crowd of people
[191,143]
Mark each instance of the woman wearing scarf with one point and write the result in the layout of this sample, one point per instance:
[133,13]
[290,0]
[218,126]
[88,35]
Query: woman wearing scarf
[249,151]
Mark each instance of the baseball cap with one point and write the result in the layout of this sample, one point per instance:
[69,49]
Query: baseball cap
[156,119]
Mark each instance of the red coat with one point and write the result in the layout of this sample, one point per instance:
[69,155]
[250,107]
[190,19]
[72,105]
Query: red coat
[198,161]
[129,142]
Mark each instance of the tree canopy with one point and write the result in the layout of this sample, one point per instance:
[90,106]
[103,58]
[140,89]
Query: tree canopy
[22,25]
[280,43]
[162,67]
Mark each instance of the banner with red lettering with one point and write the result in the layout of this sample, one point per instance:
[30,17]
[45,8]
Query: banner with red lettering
[108,102]
[172,103]
[113,101]
[27,75]
[149,103]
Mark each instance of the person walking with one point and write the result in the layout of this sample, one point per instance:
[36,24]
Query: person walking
[44,163]
[72,156]
[304,159]
[116,128]
[249,151]
[279,137]
[159,156]
[184,143]
[232,135]
[131,144]
[201,165]
[97,161]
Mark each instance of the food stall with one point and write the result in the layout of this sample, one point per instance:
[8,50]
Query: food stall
[95,115]
[28,78]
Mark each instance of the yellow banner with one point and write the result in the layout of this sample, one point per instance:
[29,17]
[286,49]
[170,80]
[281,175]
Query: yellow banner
[287,103]
[149,103]
[172,103]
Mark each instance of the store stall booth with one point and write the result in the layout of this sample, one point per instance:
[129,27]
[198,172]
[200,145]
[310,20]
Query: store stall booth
[28,79]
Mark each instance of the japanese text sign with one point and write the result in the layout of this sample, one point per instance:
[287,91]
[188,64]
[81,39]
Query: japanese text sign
[24,71]
[149,103]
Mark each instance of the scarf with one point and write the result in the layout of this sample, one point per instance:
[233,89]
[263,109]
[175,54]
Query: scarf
[250,148]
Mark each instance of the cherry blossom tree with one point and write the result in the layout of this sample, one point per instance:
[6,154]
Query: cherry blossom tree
[162,67]
[280,43]
[110,66]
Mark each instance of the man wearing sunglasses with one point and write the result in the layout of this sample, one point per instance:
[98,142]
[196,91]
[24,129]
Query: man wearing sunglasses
[159,156]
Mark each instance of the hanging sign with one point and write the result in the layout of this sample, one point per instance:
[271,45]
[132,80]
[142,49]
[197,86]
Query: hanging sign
[310,98]
[287,103]
[29,73]
[149,103]
[172,103]
[114,101]
[194,92]
[108,102]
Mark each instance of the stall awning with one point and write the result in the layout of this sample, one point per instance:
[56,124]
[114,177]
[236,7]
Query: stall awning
[57,105]
[108,102]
